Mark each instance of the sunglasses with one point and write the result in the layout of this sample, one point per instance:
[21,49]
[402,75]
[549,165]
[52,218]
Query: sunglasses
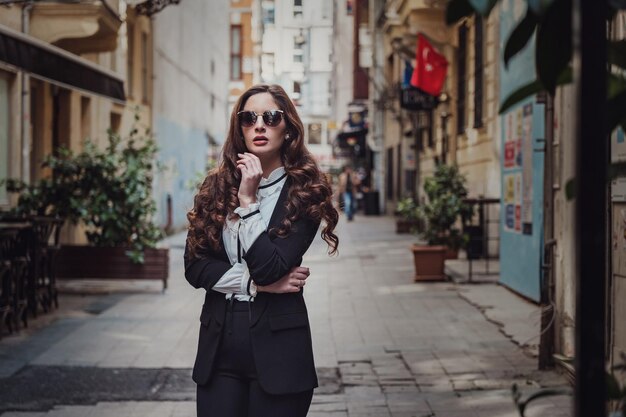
[271,118]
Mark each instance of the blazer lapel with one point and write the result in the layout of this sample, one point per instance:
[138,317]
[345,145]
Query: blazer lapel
[281,209]
[259,304]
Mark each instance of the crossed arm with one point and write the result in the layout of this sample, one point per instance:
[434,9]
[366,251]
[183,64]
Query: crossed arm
[274,265]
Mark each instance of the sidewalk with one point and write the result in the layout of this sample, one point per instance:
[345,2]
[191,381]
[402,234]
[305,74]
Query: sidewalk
[384,345]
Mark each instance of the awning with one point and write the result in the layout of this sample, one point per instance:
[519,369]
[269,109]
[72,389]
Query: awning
[57,66]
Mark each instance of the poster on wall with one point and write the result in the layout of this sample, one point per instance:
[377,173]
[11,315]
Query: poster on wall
[527,169]
[512,202]
[518,162]
[513,141]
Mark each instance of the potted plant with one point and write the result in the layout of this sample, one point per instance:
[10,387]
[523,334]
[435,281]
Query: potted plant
[407,219]
[440,214]
[108,191]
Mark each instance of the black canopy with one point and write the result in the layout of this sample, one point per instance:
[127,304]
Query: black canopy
[57,66]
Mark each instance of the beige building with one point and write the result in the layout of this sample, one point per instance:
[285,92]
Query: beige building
[243,40]
[463,128]
[70,72]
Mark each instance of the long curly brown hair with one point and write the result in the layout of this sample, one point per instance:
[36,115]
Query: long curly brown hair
[310,194]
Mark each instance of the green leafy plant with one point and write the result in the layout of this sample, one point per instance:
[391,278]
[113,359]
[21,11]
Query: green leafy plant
[109,191]
[446,192]
[550,22]
[407,209]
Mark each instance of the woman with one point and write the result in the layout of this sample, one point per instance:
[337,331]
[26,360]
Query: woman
[252,221]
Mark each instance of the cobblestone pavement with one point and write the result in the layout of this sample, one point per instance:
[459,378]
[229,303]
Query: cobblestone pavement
[384,346]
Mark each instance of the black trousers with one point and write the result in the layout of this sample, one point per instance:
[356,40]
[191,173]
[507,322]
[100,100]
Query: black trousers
[233,390]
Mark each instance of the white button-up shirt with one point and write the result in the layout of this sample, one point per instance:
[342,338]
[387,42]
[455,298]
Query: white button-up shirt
[248,226]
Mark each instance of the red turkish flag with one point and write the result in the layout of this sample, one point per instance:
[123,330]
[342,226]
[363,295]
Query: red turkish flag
[430,69]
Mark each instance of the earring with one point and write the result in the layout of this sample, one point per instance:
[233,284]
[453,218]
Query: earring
[287,137]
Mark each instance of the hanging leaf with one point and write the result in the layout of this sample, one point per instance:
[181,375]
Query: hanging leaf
[457,10]
[521,94]
[539,7]
[553,50]
[483,6]
[520,36]
[616,111]
[532,88]
[613,390]
[617,53]
[616,84]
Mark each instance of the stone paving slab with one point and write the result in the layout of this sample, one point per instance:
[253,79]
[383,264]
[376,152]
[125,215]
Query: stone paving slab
[384,345]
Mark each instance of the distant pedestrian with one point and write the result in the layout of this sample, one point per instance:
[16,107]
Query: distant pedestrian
[253,219]
[348,183]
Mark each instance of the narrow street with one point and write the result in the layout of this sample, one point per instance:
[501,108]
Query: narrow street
[384,345]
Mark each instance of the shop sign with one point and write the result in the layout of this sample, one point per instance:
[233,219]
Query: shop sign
[412,98]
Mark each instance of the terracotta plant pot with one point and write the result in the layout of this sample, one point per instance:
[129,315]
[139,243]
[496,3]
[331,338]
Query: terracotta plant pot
[77,261]
[405,226]
[429,262]
[452,253]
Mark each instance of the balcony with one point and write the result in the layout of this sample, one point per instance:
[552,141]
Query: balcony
[85,27]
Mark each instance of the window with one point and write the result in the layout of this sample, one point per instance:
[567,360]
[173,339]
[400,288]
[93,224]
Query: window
[115,121]
[130,59]
[460,90]
[296,87]
[144,67]
[478,71]
[297,8]
[85,118]
[235,52]
[431,133]
[389,173]
[315,133]
[4,133]
[268,9]
[298,53]
[399,172]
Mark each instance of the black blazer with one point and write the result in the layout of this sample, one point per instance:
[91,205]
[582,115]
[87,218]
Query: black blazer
[279,324]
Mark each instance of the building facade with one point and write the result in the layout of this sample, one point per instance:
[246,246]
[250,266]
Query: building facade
[244,42]
[191,108]
[295,52]
[89,84]
[463,126]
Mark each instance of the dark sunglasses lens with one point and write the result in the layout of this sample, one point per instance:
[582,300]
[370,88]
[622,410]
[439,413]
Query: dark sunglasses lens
[247,118]
[272,118]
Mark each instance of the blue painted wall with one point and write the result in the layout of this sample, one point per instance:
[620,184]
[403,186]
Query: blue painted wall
[183,151]
[521,242]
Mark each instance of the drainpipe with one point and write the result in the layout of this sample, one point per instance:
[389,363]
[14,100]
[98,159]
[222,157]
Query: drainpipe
[25,100]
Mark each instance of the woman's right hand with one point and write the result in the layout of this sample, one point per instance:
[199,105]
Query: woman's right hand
[293,281]
[251,174]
